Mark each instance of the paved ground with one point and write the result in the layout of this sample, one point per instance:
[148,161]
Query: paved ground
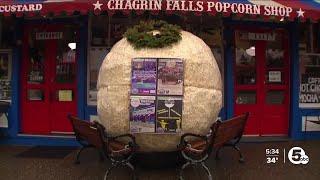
[255,167]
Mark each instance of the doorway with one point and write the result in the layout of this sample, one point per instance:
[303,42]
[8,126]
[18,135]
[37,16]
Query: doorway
[261,80]
[49,82]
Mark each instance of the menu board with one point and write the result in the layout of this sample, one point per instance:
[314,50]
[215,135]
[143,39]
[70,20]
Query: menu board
[309,81]
[142,114]
[169,114]
[143,79]
[170,77]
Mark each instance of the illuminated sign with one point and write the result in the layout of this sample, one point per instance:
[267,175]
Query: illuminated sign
[20,8]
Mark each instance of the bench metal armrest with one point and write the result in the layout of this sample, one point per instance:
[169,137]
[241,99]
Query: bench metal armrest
[132,143]
[184,142]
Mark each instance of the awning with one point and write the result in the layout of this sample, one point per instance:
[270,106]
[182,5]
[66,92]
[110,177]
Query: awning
[276,9]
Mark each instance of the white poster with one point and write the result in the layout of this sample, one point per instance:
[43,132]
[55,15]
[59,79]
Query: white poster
[275,76]
[310,123]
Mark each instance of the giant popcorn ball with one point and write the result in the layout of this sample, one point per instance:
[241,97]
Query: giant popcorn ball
[202,99]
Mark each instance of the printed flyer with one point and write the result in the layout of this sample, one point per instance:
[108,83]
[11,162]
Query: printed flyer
[142,114]
[143,79]
[169,114]
[170,77]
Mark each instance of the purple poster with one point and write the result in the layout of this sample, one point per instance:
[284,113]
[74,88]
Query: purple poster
[170,77]
[144,74]
[142,114]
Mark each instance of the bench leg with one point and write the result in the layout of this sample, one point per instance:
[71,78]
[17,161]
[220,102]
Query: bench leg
[217,153]
[77,161]
[109,170]
[101,156]
[128,164]
[182,168]
[241,160]
[203,165]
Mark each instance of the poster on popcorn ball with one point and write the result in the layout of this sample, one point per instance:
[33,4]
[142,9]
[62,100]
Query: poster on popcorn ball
[144,76]
[169,114]
[142,114]
[170,77]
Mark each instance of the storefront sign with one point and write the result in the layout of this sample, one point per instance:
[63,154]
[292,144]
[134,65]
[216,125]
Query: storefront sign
[20,8]
[275,76]
[310,90]
[258,36]
[196,6]
[48,35]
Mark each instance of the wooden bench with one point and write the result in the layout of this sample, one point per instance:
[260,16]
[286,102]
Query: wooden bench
[197,148]
[118,149]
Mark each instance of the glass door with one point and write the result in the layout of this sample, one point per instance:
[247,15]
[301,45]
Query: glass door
[262,81]
[48,77]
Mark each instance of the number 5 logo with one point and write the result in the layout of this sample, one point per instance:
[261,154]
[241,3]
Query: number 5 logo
[297,155]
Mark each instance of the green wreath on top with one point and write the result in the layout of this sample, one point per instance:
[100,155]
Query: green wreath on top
[153,34]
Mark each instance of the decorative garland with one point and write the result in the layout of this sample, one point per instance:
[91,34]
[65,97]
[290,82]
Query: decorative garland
[153,34]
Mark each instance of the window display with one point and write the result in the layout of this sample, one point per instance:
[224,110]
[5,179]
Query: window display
[104,32]
[309,65]
[309,80]
[95,57]
[5,74]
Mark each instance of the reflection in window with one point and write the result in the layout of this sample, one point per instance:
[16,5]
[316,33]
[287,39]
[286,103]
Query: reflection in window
[246,97]
[37,60]
[275,97]
[245,67]
[245,60]
[274,58]
[66,57]
[35,95]
[275,52]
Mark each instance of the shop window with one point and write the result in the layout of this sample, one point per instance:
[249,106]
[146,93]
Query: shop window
[7,40]
[35,95]
[6,44]
[245,60]
[246,97]
[105,31]
[36,67]
[5,74]
[65,65]
[275,97]
[309,52]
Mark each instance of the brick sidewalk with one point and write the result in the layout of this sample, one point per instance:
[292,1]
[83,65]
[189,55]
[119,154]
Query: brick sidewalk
[255,167]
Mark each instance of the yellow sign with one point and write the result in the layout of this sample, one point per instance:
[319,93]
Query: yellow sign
[65,95]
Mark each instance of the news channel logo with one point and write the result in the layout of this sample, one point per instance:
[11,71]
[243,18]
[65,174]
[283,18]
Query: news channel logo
[296,155]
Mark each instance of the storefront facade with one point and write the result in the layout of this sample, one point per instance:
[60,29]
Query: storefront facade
[268,65]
